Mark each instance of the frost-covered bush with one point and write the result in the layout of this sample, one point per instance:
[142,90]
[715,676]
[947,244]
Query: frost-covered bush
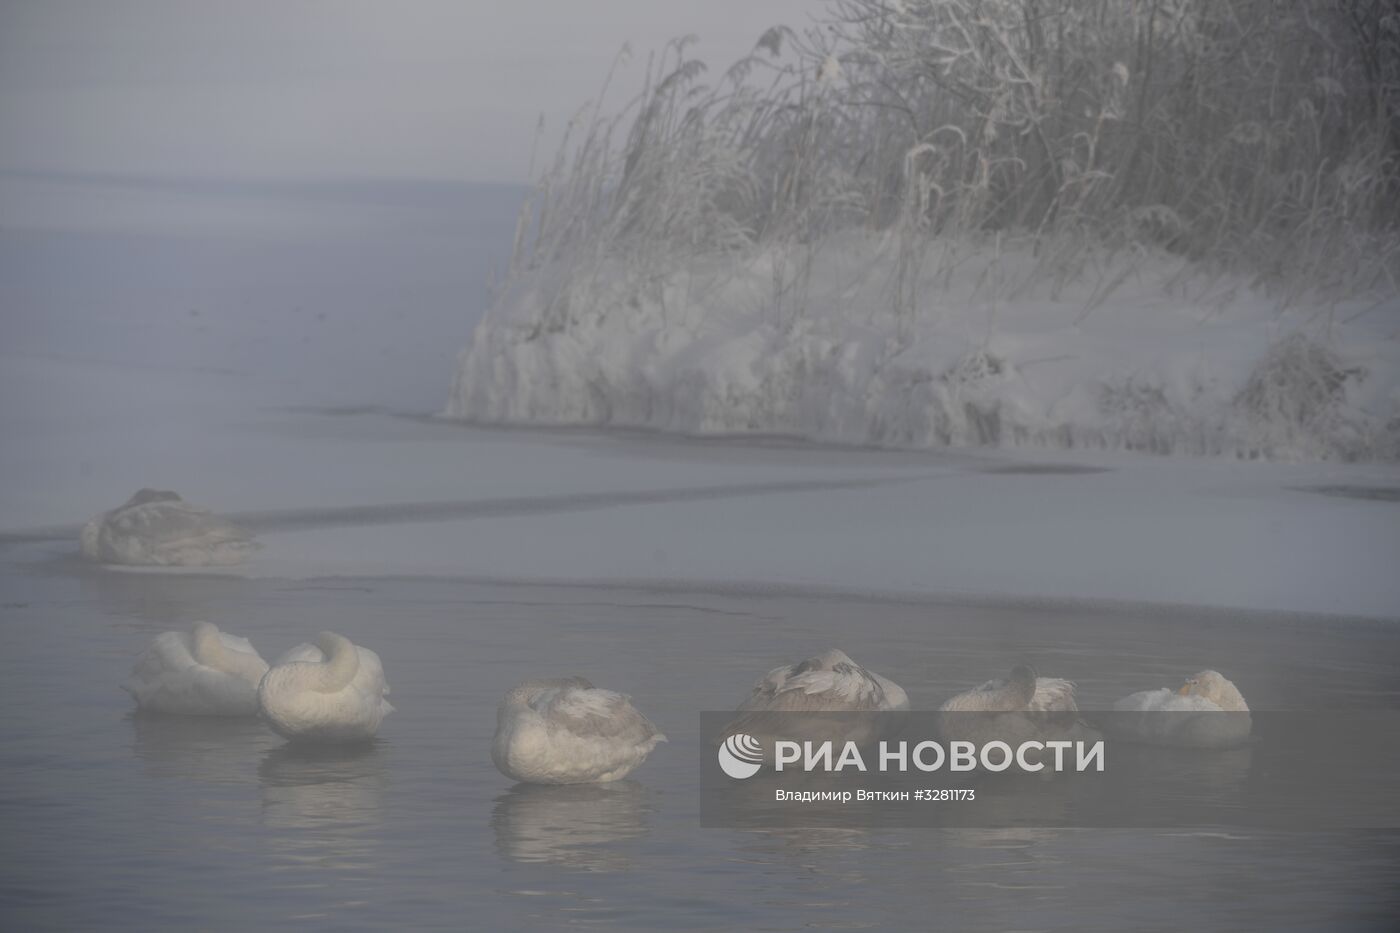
[1137,415]
[840,236]
[1294,403]
[1256,134]
[1251,135]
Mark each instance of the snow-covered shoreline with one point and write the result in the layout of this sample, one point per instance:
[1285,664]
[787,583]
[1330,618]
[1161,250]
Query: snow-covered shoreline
[990,355]
[952,224]
[95,404]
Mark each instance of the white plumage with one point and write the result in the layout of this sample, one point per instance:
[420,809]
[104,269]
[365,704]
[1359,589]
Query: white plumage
[567,731]
[1025,708]
[1023,691]
[829,682]
[157,527]
[826,698]
[202,672]
[1192,716]
[332,691]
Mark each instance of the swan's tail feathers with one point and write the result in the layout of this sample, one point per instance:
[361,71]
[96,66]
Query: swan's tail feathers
[386,706]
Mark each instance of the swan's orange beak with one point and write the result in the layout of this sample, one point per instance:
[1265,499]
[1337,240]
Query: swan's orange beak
[1185,689]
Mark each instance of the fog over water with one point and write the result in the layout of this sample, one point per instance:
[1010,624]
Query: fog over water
[244,254]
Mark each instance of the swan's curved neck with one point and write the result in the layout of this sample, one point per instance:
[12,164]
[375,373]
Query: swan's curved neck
[208,647]
[1022,694]
[341,664]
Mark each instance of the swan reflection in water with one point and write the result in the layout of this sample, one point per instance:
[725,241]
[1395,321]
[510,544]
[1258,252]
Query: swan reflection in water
[325,803]
[831,852]
[929,866]
[157,601]
[1165,780]
[209,749]
[573,825]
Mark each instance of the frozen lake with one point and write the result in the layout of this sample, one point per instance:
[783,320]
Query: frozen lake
[279,348]
[285,373]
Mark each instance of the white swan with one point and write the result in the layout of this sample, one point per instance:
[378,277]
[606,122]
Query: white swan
[157,527]
[1022,691]
[829,682]
[332,691]
[1031,708]
[569,732]
[1190,716]
[203,672]
[826,698]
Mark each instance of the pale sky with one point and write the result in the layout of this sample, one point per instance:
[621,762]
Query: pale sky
[327,88]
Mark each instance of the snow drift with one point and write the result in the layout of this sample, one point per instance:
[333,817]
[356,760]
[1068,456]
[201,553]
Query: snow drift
[1198,368]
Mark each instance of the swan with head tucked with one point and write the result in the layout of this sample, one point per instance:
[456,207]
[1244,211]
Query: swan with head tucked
[332,691]
[1022,691]
[829,682]
[157,527]
[1032,708]
[568,731]
[202,672]
[1189,716]
[793,702]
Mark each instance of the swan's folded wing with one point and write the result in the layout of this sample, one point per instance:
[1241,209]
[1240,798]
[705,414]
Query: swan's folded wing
[1054,695]
[991,696]
[557,683]
[216,547]
[168,655]
[1166,717]
[895,697]
[175,532]
[169,679]
[1144,701]
[302,652]
[768,687]
[845,688]
[204,689]
[370,677]
[241,645]
[598,713]
[161,522]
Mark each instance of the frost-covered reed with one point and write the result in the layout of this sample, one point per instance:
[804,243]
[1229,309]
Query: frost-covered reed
[1000,154]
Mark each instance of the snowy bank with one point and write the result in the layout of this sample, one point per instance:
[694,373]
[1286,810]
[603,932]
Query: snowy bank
[950,223]
[804,341]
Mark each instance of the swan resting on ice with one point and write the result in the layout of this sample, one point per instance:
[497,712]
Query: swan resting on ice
[332,691]
[202,672]
[829,682]
[1190,716]
[156,527]
[1032,708]
[568,731]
